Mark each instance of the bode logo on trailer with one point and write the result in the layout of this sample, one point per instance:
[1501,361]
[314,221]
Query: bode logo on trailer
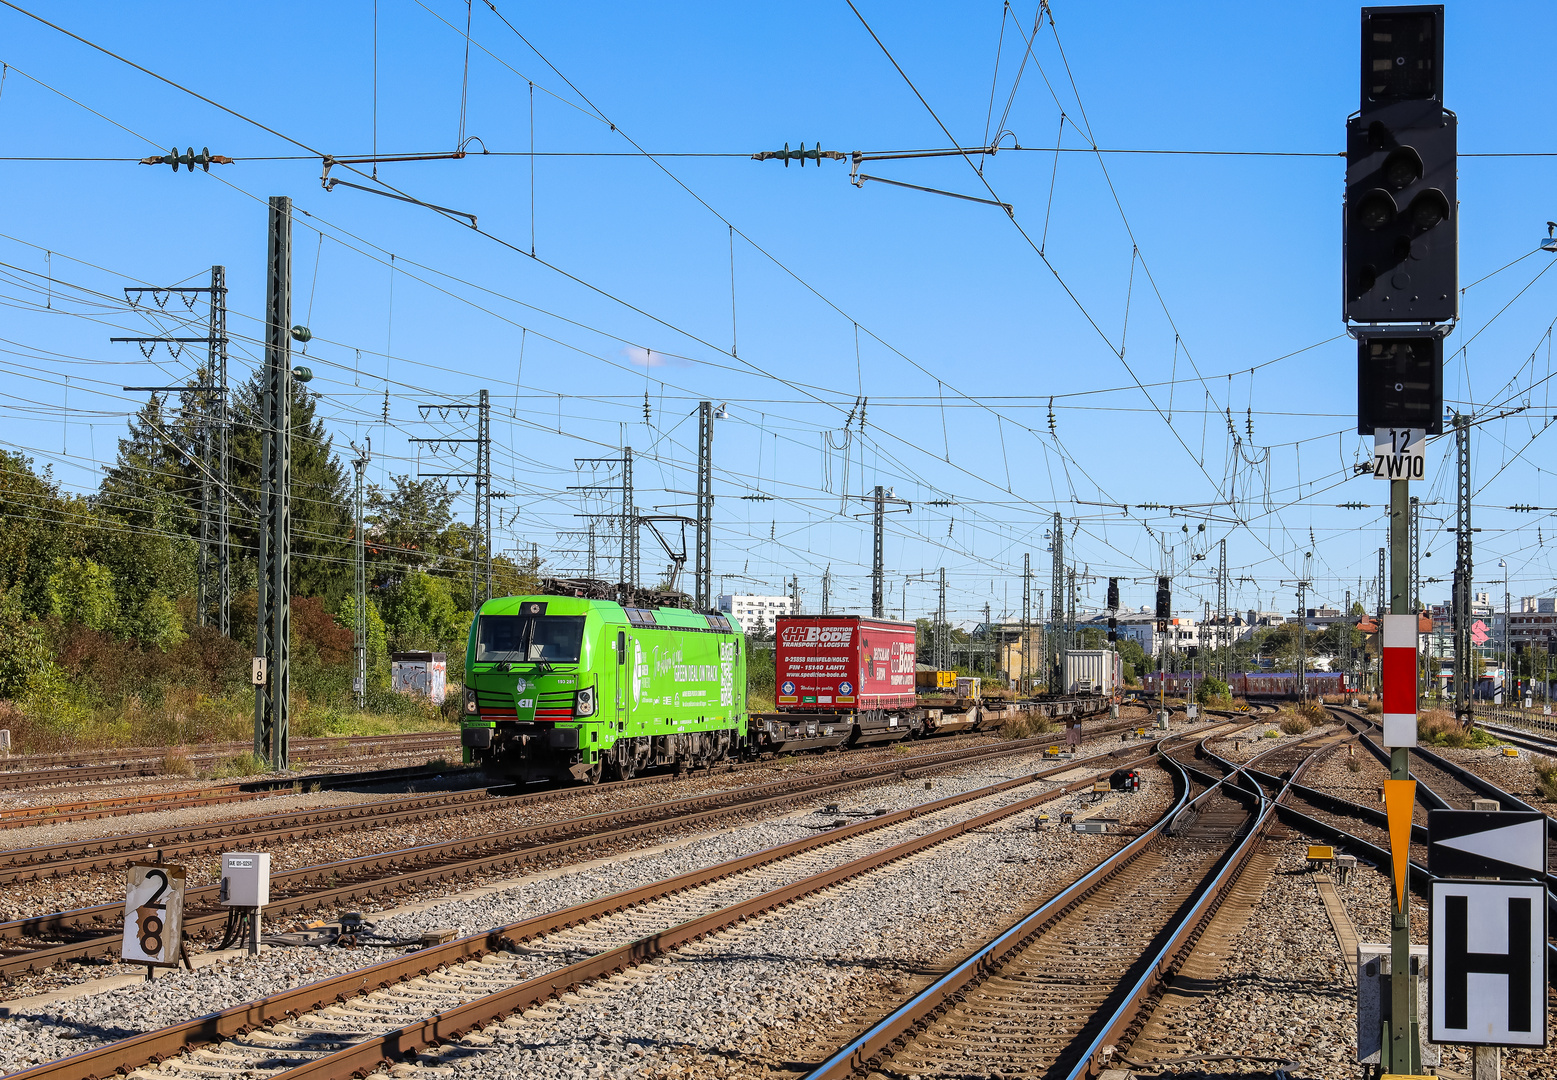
[816,635]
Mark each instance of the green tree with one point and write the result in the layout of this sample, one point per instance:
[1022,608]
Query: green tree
[156,622]
[321,495]
[82,592]
[419,613]
[146,557]
[154,481]
[24,654]
[39,526]
[378,639]
[1136,662]
[413,527]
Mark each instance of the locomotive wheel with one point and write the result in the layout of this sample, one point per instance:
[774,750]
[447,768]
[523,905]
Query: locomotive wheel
[592,777]
[626,767]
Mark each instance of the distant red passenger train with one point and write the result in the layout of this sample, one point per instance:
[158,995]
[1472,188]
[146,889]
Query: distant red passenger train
[1255,683]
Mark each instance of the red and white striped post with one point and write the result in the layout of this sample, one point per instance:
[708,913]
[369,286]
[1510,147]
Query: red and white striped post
[1400,679]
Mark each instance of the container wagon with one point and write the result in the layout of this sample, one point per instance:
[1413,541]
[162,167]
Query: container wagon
[840,680]
[1252,683]
[560,687]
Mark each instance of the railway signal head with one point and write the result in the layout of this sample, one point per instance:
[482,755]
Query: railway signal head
[1400,380]
[1113,594]
[1164,599]
[1401,220]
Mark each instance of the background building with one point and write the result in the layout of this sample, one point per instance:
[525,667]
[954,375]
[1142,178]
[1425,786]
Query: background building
[754,612]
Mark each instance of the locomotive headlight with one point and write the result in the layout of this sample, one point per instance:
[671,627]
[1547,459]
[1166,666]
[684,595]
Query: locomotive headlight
[470,701]
[584,702]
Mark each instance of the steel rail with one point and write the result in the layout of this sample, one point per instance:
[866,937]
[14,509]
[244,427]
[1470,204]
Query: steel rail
[1176,951]
[933,999]
[313,746]
[1205,900]
[396,876]
[158,1045]
[105,853]
[111,852]
[14,781]
[1417,875]
[362,1058]
[23,817]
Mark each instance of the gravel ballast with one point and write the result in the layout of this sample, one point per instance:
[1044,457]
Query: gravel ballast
[175,996]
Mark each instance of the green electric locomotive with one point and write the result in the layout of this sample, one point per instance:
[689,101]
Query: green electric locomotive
[559,687]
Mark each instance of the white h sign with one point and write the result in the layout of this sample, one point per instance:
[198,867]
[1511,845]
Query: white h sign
[1489,963]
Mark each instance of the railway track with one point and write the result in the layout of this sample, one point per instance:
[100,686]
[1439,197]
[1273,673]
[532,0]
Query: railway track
[16,780]
[36,943]
[96,854]
[351,1024]
[305,749]
[22,817]
[1045,997]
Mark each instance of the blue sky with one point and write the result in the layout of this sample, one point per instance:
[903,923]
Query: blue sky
[1203,266]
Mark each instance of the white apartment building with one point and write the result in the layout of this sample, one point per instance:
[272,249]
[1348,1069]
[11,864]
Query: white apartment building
[753,612]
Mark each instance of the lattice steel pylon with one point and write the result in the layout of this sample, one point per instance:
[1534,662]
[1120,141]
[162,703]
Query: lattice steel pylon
[273,675]
[1464,675]
[703,569]
[1057,608]
[987,653]
[877,558]
[625,517]
[1346,639]
[1224,627]
[1383,579]
[481,565]
[1416,554]
[213,575]
[359,643]
[1071,632]
[223,411]
[629,525]
[480,473]
[942,644]
[1027,618]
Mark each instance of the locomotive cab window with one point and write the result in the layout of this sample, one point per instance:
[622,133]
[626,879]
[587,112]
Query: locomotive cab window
[553,638]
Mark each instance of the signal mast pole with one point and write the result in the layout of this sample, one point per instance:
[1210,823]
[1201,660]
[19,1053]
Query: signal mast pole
[1400,299]
[273,605]
[359,645]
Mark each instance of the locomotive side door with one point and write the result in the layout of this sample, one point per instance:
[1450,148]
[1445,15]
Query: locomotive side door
[622,676]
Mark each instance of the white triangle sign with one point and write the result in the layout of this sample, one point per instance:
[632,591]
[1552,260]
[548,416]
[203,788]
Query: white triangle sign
[1521,845]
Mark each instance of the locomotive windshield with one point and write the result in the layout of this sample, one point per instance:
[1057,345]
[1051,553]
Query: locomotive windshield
[553,638]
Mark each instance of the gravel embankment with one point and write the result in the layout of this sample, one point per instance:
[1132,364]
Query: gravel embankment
[82,890]
[70,1026]
[1286,994]
[759,999]
[362,838]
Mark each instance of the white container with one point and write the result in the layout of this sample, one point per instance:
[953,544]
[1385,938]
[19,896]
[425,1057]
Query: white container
[967,687]
[424,673]
[1091,671]
[245,879]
